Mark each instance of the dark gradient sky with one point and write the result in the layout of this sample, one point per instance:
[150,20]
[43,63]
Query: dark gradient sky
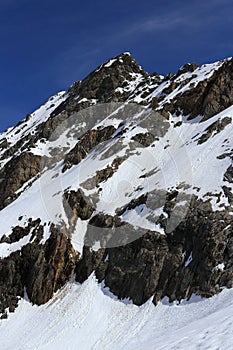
[47,45]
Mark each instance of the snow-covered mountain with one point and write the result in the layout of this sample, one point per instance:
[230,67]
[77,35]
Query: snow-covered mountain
[127,177]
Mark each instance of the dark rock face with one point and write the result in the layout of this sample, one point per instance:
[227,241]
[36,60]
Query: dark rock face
[188,67]
[77,205]
[12,267]
[49,267]
[91,261]
[176,265]
[88,141]
[11,286]
[40,269]
[210,96]
[133,271]
[18,233]
[105,174]
[216,127]
[144,139]
[21,169]
[101,83]
[228,176]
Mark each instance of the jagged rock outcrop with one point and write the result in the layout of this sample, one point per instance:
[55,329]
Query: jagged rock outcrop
[103,85]
[214,128]
[48,268]
[40,270]
[176,265]
[87,142]
[15,174]
[209,97]
[77,205]
[12,267]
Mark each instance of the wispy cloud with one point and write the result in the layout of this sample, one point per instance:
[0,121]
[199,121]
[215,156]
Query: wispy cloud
[162,23]
[197,17]
[157,23]
[190,17]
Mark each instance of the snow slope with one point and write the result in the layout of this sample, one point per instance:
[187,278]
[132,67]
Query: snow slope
[86,317]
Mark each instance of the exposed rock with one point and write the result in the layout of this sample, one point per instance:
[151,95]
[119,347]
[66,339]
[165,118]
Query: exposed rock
[210,96]
[102,83]
[87,142]
[11,284]
[144,139]
[77,205]
[228,176]
[154,103]
[170,88]
[158,265]
[91,261]
[3,144]
[21,169]
[188,67]
[41,269]
[214,128]
[19,232]
[49,267]
[132,204]
[228,194]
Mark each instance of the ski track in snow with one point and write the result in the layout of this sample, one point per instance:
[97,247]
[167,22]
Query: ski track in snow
[83,317]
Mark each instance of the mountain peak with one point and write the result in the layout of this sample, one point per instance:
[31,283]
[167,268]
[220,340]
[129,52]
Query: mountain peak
[101,84]
[123,59]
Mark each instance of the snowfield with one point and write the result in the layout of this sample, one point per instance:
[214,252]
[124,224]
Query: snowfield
[87,317]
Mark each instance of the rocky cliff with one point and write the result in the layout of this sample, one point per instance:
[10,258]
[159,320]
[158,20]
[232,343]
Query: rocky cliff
[127,175]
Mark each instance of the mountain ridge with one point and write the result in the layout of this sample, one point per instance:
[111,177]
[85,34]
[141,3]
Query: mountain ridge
[139,145]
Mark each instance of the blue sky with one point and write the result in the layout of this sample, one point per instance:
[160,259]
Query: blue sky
[47,45]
